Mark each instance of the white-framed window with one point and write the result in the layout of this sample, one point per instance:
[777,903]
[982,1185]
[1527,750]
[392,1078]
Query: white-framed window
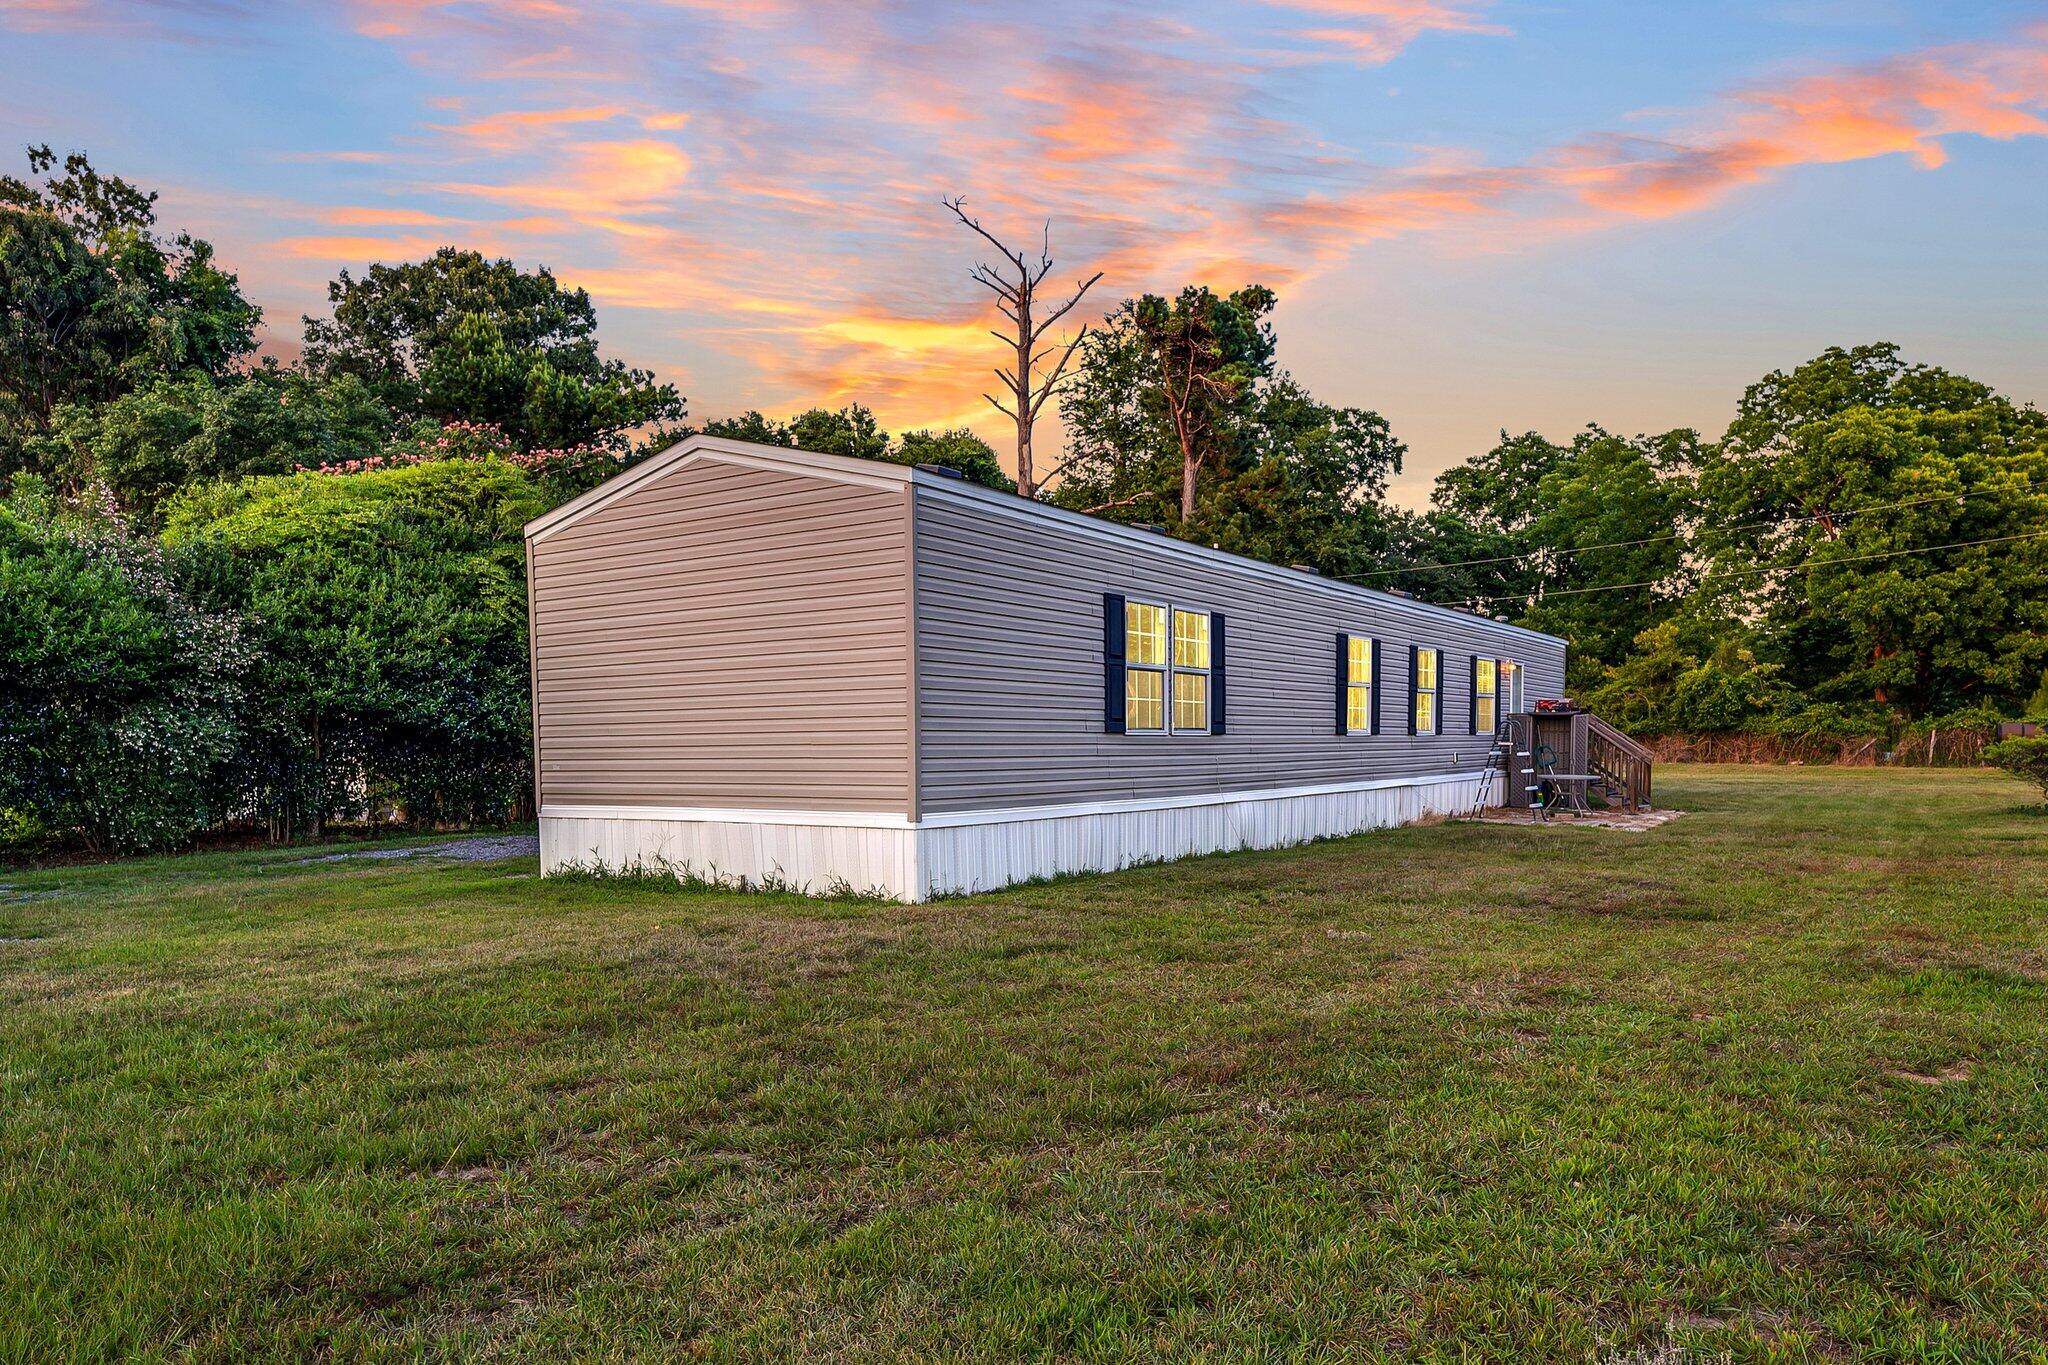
[1190,671]
[1511,686]
[1427,668]
[1485,696]
[1167,678]
[1358,684]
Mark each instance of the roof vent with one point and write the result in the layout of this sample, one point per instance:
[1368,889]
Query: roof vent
[1306,568]
[1151,526]
[1399,592]
[1501,619]
[940,470]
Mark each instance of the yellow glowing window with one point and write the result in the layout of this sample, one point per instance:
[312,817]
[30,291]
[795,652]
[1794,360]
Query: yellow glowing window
[1358,684]
[1425,691]
[1167,655]
[1191,640]
[1144,634]
[1190,701]
[1144,699]
[1485,690]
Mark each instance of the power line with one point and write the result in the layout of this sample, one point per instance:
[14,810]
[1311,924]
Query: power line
[1680,535]
[1812,560]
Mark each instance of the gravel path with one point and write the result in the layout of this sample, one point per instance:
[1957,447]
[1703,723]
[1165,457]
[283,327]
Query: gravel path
[489,849]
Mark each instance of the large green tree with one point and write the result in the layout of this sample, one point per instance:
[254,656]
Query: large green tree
[957,449]
[1585,539]
[1608,527]
[1208,352]
[180,429]
[459,337]
[95,302]
[1275,473]
[1839,507]
[1305,483]
[1497,491]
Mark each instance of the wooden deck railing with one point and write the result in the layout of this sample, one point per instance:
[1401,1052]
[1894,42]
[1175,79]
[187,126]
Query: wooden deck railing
[1621,760]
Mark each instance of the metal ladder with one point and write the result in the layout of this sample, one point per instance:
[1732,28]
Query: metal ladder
[1512,759]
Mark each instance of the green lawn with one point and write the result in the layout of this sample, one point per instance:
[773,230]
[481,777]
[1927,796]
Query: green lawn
[1768,1080]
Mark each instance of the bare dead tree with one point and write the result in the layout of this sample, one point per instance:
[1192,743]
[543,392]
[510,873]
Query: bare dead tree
[1015,283]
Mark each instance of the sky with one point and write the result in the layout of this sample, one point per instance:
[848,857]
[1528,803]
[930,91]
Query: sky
[1478,214]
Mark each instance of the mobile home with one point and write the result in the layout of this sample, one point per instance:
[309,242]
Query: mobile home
[760,664]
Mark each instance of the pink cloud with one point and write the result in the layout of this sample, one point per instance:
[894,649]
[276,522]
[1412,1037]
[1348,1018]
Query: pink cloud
[1376,31]
[764,176]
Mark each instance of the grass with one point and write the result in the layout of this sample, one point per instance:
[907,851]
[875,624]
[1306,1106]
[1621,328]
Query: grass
[1767,1081]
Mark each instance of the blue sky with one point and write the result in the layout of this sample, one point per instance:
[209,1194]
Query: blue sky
[1478,215]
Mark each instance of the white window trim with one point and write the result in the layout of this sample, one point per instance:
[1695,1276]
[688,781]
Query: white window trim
[1167,729]
[1435,694]
[1513,704]
[1372,655]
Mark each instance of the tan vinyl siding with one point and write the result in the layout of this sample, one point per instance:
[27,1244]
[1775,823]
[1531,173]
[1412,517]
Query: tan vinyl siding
[1009,666]
[726,636]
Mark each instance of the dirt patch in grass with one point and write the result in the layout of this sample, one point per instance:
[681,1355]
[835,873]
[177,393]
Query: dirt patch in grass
[1947,1075]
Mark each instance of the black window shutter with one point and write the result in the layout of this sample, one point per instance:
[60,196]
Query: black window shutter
[1472,708]
[1376,688]
[1343,683]
[1218,689]
[1113,663]
[1414,677]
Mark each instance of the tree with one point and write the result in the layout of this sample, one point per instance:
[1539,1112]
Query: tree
[1585,540]
[1283,476]
[1165,387]
[1666,686]
[854,431]
[1210,351]
[120,720]
[959,450]
[1497,491]
[1834,382]
[1880,522]
[1305,484]
[2025,758]
[457,337]
[94,303]
[1440,557]
[1607,535]
[390,612]
[1477,543]
[748,426]
[181,429]
[1029,383]
[1121,458]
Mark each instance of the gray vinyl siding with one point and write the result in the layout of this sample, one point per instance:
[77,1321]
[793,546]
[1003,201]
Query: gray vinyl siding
[726,636]
[1010,673]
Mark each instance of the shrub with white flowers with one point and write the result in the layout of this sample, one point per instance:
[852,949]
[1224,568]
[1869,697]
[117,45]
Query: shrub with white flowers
[121,719]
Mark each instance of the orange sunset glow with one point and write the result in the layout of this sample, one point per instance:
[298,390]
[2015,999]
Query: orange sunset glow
[751,191]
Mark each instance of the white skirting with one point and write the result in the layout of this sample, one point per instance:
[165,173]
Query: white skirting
[843,851]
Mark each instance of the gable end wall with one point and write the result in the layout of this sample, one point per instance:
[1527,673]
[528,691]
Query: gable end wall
[725,637]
